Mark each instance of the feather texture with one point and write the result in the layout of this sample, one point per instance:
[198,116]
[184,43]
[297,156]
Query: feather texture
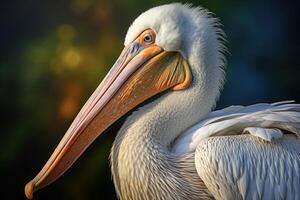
[244,167]
[166,148]
[268,119]
[267,134]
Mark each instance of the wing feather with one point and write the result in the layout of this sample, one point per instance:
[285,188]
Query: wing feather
[244,167]
[233,120]
[267,134]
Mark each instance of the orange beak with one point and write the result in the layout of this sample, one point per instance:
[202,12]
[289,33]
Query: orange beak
[140,72]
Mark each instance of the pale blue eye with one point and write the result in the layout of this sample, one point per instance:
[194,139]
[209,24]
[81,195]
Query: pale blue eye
[147,38]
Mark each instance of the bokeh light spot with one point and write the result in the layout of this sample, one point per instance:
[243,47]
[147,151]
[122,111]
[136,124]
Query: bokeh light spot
[66,32]
[71,58]
[69,104]
[67,108]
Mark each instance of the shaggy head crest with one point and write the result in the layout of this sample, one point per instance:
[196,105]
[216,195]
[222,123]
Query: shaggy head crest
[177,26]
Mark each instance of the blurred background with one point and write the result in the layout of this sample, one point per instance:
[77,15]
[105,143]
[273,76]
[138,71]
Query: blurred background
[54,53]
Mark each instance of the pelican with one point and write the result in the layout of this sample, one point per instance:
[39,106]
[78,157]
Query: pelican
[173,146]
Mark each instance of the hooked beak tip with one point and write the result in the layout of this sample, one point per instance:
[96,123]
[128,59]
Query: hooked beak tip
[29,189]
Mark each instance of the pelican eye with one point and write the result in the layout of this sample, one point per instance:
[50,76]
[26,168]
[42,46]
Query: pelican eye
[148,38]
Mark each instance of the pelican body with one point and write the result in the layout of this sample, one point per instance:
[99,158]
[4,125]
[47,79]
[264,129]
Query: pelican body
[173,146]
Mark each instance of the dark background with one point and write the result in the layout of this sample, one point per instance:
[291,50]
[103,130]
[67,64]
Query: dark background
[54,53]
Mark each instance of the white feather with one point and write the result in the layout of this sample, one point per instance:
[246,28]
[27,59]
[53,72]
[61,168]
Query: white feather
[267,134]
[243,167]
[234,167]
[237,119]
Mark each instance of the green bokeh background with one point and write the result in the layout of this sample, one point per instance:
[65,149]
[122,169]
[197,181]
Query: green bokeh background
[54,54]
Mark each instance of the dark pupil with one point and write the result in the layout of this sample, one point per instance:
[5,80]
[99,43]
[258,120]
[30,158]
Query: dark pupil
[147,38]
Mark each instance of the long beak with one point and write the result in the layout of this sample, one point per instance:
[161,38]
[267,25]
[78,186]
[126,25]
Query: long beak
[139,73]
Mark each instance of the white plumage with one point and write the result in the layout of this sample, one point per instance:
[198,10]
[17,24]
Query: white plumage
[263,120]
[161,145]
[174,147]
[244,167]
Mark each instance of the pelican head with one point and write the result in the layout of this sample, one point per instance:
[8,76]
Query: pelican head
[173,50]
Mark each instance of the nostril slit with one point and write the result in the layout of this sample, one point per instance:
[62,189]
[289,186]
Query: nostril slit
[133,49]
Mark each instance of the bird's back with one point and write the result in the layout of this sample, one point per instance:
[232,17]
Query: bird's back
[247,167]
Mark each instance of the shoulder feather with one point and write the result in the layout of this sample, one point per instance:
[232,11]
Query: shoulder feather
[246,167]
